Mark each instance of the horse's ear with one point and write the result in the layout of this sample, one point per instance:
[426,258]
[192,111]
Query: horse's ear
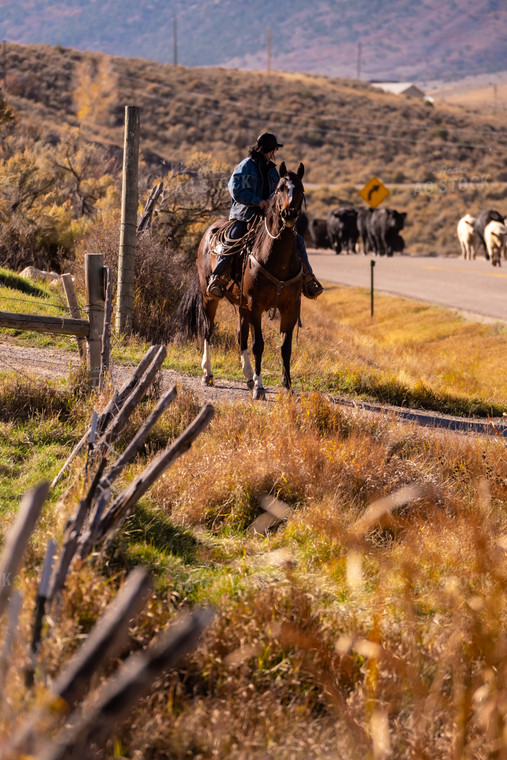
[283,169]
[300,170]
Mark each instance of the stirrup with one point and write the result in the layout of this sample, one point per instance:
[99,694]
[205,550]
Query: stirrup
[216,286]
[312,287]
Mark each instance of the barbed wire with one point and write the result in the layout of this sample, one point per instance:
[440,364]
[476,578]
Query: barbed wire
[37,303]
[18,371]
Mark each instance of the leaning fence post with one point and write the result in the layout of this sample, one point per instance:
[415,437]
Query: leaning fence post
[95,305]
[70,293]
[128,228]
[17,539]
[130,682]
[40,608]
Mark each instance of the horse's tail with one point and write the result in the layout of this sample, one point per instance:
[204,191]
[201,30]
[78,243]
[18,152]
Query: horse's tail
[190,318]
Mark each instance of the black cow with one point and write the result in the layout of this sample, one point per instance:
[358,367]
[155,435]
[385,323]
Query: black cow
[363,227]
[385,227]
[318,233]
[342,229]
[482,219]
[302,224]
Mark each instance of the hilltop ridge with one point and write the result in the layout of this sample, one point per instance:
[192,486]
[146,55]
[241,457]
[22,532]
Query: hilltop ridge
[401,39]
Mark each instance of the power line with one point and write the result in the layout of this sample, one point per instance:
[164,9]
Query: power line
[345,120]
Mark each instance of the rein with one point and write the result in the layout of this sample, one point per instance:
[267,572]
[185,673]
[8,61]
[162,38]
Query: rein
[285,226]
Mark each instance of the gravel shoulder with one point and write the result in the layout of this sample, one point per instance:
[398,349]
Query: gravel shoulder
[34,363]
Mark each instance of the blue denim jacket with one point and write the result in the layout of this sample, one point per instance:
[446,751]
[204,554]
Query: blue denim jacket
[245,187]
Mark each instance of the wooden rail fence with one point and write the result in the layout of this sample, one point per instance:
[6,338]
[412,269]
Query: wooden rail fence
[91,329]
[78,714]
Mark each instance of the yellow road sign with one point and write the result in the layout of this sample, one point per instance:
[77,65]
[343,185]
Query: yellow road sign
[374,192]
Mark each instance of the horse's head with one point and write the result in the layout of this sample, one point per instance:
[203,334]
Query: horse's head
[290,194]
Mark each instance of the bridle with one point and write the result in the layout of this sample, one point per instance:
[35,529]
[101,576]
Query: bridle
[287,223]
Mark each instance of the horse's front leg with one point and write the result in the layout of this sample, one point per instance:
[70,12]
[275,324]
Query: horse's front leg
[210,307]
[258,393]
[244,327]
[286,355]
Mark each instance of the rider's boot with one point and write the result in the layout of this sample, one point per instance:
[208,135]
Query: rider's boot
[217,285]
[220,278]
[311,286]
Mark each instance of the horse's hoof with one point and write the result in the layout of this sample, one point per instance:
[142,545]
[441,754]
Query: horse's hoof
[259,394]
[207,380]
[250,385]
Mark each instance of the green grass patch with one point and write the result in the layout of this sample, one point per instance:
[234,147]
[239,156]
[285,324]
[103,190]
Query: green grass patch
[14,281]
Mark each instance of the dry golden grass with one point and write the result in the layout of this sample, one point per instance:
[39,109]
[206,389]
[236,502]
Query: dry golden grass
[336,635]
[410,353]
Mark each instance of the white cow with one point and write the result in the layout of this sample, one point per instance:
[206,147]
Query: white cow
[467,237]
[495,237]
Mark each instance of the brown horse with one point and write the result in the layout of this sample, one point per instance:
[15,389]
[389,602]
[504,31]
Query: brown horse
[272,278]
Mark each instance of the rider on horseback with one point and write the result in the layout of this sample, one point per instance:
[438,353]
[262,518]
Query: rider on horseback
[252,183]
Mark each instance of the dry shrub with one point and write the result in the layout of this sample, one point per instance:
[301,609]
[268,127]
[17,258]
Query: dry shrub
[160,275]
[298,452]
[21,398]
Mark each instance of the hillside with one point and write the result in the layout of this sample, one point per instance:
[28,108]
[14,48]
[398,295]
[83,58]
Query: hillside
[399,39]
[345,131]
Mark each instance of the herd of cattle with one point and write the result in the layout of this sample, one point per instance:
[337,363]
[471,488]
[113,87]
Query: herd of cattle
[485,233]
[351,229]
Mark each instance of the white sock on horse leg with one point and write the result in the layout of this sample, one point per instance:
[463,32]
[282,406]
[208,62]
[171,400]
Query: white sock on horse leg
[206,360]
[258,381]
[247,365]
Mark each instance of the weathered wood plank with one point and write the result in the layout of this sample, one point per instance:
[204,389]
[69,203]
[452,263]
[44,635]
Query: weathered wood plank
[17,539]
[118,423]
[116,402]
[122,505]
[106,638]
[138,440]
[105,356]
[58,325]
[132,681]
[95,295]
[75,312]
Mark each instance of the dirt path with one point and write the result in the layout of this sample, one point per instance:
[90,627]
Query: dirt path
[33,363]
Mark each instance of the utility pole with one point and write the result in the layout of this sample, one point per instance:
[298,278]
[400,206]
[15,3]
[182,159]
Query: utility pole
[175,40]
[269,49]
[359,53]
[4,65]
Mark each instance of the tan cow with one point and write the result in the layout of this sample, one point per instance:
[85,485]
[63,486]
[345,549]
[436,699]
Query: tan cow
[467,237]
[495,237]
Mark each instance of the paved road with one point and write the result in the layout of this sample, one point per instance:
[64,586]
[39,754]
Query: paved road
[474,287]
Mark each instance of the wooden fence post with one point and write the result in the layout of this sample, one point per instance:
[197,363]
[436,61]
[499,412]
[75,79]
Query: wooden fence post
[70,293]
[95,305]
[105,357]
[127,251]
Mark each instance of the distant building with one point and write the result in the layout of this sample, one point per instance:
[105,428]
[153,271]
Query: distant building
[408,89]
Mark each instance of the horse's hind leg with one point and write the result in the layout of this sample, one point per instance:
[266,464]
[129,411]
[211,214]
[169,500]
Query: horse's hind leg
[211,309]
[246,364]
